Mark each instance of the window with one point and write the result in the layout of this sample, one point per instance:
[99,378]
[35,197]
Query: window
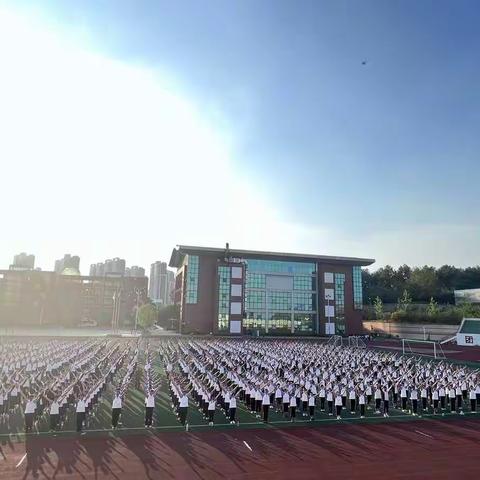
[304,282]
[191,294]
[303,323]
[254,321]
[255,280]
[305,302]
[236,290]
[236,308]
[275,266]
[237,272]
[279,300]
[328,277]
[280,322]
[255,300]
[357,288]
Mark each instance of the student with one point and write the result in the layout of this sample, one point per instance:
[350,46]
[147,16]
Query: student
[116,409]
[293,406]
[304,403]
[473,399]
[330,402]
[423,395]
[286,403]
[414,400]
[459,395]
[442,396]
[403,398]
[435,397]
[451,397]
[183,409]
[258,402]
[80,413]
[386,401]
[278,399]
[54,415]
[338,405]
[352,396]
[29,414]
[378,399]
[211,410]
[233,409]
[265,405]
[311,406]
[361,402]
[322,398]
[149,406]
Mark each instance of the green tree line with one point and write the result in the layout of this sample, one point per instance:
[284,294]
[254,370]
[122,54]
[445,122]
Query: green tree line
[421,283]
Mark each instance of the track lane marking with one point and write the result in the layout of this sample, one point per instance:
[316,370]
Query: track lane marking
[21,461]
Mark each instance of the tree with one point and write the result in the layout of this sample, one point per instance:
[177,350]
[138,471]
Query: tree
[432,309]
[404,302]
[147,316]
[378,307]
[168,316]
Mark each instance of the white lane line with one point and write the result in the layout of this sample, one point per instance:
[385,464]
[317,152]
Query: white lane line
[247,445]
[21,461]
[424,434]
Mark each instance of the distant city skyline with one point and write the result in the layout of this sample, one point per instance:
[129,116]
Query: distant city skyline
[330,127]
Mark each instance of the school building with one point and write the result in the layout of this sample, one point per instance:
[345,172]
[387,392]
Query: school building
[229,291]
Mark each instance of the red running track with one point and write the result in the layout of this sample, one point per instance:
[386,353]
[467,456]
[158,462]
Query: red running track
[408,450]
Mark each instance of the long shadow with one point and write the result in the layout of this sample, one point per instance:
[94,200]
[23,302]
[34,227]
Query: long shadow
[150,453]
[101,452]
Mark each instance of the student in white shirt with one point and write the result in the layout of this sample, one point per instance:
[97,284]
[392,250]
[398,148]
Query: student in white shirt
[311,406]
[265,405]
[293,406]
[233,408]
[473,400]
[29,414]
[286,403]
[211,410]
[338,406]
[80,413]
[183,409]
[352,396]
[149,406]
[116,409]
[361,402]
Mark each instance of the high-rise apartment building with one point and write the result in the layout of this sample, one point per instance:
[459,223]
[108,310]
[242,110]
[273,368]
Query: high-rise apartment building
[23,261]
[69,264]
[162,282]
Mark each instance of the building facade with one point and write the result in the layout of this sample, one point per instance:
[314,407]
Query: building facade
[50,298]
[230,291]
[161,283]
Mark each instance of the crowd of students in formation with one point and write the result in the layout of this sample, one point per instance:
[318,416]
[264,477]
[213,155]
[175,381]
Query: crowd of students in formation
[296,378]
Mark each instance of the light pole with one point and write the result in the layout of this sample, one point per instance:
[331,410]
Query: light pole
[137,292]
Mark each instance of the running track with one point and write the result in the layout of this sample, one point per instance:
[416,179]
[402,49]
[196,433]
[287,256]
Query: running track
[421,449]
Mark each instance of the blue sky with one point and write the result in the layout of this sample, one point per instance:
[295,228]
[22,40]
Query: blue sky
[379,160]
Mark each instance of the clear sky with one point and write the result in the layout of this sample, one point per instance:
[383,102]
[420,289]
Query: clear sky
[127,127]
